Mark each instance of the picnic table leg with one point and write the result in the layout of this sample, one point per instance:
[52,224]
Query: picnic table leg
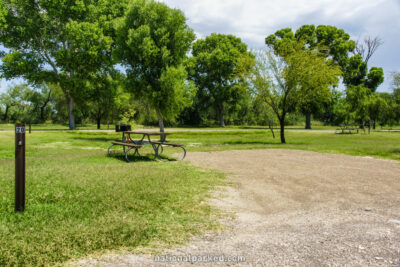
[109,150]
[127,151]
[141,140]
[123,140]
[184,153]
[130,139]
[156,147]
[126,154]
[160,146]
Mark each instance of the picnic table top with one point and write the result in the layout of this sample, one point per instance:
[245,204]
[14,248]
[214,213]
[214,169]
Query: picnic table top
[147,133]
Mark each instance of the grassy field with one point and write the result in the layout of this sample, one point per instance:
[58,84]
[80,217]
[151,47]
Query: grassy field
[80,202]
[377,144]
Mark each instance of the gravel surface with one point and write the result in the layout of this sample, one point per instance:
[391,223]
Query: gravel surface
[294,208]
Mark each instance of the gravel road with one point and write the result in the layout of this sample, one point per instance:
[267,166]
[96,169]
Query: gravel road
[294,208]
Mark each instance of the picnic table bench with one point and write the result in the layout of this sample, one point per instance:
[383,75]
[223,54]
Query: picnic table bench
[128,143]
[126,147]
[161,144]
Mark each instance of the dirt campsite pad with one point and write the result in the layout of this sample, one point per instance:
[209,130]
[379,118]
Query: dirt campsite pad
[295,208]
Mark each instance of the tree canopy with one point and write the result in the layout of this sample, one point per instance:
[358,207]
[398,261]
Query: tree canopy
[153,42]
[218,68]
[329,41]
[57,41]
[11,98]
[124,60]
[336,46]
[283,82]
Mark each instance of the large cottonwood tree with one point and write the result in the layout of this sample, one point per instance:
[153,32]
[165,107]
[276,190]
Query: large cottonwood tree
[152,44]
[60,42]
[336,46]
[219,67]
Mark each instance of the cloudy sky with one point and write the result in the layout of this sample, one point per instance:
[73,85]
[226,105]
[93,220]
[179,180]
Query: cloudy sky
[253,20]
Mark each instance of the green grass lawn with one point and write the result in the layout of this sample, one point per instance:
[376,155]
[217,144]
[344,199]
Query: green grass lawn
[377,144]
[79,201]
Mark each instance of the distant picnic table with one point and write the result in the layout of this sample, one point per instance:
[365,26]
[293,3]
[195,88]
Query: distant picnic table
[349,128]
[128,143]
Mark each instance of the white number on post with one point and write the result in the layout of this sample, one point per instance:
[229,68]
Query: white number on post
[20,130]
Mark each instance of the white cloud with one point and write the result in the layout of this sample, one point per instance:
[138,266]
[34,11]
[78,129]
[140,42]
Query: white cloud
[253,20]
[264,17]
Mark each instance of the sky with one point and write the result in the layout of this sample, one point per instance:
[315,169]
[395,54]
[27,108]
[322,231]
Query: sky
[253,20]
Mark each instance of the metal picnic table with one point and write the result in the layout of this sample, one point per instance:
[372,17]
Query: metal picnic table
[129,143]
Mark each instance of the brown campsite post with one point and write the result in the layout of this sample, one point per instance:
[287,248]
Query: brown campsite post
[19,167]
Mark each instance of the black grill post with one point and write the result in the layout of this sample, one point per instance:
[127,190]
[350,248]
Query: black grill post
[19,167]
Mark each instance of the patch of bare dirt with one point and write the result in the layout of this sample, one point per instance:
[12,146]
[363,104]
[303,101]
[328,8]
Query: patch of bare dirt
[296,208]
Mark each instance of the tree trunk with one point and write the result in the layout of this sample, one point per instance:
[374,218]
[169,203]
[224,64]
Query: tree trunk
[282,124]
[71,117]
[160,121]
[221,116]
[308,121]
[98,119]
[161,124]
[271,127]
[5,118]
[42,114]
[43,107]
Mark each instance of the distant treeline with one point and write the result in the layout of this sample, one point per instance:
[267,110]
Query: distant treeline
[107,61]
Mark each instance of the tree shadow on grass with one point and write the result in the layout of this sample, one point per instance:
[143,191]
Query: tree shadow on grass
[139,158]
[96,139]
[249,142]
[132,158]
[395,151]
